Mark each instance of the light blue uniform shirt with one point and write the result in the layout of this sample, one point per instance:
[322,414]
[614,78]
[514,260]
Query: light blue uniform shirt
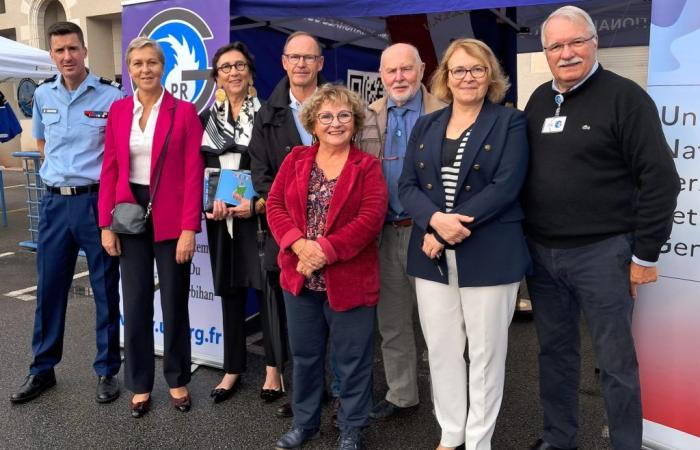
[73,126]
[392,167]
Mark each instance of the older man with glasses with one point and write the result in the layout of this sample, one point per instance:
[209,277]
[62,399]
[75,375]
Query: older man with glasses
[599,202]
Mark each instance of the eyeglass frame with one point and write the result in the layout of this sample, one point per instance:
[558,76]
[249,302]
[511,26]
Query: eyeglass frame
[574,44]
[335,116]
[469,71]
[226,67]
[291,56]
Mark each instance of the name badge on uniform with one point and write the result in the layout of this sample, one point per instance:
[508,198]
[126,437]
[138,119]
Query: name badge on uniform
[97,114]
[49,111]
[553,124]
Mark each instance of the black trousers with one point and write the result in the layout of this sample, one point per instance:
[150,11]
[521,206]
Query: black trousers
[593,280]
[233,312]
[138,287]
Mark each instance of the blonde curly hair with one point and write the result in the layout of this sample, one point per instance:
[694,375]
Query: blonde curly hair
[333,93]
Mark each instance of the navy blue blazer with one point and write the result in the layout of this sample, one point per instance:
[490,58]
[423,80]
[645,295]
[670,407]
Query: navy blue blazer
[494,165]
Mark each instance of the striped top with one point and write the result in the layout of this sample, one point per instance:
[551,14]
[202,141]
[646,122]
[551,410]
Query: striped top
[450,168]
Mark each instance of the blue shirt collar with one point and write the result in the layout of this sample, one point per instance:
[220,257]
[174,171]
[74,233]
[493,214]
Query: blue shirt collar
[89,81]
[414,104]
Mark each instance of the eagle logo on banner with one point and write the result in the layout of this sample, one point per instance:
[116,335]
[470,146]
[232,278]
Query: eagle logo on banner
[181,34]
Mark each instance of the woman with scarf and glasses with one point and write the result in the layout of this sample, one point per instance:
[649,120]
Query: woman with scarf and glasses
[231,230]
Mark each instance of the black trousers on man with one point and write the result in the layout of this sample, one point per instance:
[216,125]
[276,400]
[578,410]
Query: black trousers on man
[594,279]
[138,287]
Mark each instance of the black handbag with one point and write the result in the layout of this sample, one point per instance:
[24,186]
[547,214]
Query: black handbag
[130,218]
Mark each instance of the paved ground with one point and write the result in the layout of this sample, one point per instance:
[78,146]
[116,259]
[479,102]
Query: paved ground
[68,417]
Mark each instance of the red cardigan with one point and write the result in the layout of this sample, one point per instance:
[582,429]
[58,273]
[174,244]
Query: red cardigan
[355,216]
[177,205]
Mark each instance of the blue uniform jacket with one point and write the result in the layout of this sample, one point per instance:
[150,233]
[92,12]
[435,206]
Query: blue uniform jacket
[494,165]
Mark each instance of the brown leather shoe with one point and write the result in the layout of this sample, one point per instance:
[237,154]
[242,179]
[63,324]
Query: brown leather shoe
[139,409]
[284,411]
[182,404]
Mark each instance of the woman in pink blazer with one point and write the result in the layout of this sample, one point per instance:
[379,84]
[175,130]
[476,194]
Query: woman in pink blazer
[137,128]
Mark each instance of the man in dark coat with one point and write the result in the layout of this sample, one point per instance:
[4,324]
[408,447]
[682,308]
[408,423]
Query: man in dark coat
[276,131]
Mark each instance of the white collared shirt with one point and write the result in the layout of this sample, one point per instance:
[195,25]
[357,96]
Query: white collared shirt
[296,106]
[141,142]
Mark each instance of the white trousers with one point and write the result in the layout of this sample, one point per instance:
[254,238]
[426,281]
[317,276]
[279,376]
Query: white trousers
[449,316]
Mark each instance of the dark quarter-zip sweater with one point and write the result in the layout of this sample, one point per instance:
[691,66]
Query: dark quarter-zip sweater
[609,172]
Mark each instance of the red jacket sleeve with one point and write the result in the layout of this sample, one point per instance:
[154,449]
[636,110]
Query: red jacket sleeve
[110,172]
[281,224]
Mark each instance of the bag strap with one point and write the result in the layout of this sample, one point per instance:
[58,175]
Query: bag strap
[161,161]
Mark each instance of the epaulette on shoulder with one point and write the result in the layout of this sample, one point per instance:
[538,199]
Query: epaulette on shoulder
[111,83]
[50,79]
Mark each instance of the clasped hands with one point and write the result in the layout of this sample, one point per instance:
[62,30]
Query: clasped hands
[311,256]
[242,211]
[451,229]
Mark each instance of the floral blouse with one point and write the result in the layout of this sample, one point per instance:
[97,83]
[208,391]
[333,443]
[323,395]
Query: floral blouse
[317,202]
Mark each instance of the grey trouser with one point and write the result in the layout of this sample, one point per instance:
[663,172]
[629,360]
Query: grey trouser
[397,302]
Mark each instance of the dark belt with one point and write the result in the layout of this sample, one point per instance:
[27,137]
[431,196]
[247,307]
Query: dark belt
[73,190]
[403,223]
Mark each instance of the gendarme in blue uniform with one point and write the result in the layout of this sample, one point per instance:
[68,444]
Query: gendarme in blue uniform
[73,126]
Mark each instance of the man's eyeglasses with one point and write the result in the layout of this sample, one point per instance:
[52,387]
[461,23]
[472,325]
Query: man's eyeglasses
[308,59]
[575,44]
[459,72]
[226,67]
[326,118]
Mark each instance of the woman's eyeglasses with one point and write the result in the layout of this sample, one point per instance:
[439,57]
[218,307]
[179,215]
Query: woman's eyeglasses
[459,72]
[226,67]
[326,118]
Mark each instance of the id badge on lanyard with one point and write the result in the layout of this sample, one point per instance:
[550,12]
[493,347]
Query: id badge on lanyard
[556,123]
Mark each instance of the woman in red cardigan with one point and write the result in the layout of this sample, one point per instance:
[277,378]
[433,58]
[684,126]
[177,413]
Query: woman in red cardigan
[325,209]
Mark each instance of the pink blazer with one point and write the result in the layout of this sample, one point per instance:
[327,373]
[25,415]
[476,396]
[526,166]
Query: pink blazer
[177,205]
[355,217]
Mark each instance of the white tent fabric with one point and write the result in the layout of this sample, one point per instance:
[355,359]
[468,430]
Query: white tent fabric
[19,61]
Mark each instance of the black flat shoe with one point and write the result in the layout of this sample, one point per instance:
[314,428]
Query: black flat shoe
[182,404]
[33,386]
[139,409]
[271,395]
[541,444]
[220,394]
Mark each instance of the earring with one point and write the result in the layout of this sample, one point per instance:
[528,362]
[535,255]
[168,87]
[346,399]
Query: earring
[220,95]
[252,92]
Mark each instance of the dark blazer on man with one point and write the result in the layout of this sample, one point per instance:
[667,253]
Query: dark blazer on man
[494,165]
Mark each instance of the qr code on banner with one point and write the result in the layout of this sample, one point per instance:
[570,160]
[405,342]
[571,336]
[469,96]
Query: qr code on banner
[367,84]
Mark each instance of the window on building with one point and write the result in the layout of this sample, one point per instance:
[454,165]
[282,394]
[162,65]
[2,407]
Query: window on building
[9,33]
[2,6]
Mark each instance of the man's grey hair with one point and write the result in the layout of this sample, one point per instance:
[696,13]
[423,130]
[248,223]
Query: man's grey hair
[573,14]
[413,48]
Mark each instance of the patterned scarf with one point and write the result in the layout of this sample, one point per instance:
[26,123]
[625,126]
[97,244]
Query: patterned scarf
[220,134]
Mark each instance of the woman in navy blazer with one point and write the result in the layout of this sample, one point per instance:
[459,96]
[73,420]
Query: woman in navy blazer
[464,168]
[137,129]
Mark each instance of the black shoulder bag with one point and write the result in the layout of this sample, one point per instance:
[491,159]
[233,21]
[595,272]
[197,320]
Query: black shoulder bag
[130,218]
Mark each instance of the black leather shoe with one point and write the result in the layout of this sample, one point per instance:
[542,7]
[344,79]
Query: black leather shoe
[107,389]
[296,437]
[271,395]
[139,409]
[220,394]
[351,439]
[32,387]
[385,409]
[542,445]
[182,404]
[284,411]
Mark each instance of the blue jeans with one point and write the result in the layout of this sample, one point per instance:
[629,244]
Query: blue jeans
[311,322]
[594,279]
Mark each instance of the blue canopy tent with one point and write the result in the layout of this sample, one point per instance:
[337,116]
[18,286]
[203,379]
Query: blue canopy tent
[357,32]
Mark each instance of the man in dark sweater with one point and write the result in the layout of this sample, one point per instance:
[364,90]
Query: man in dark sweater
[599,202]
